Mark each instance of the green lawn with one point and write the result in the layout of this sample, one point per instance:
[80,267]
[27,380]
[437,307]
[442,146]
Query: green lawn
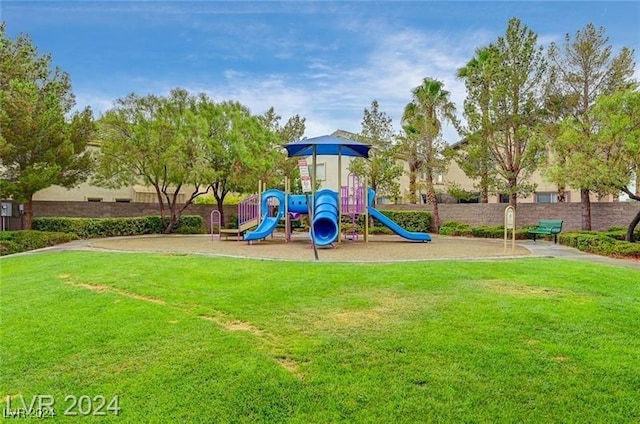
[202,339]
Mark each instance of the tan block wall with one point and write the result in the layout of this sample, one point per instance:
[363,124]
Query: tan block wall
[603,215]
[112,210]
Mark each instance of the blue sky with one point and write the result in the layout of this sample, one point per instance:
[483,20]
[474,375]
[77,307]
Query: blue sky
[325,61]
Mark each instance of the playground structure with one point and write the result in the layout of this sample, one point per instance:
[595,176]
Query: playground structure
[275,206]
[325,207]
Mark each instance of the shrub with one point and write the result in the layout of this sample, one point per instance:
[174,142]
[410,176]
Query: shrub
[22,241]
[193,221]
[113,227]
[454,228]
[600,244]
[487,232]
[498,232]
[405,219]
[185,229]
[419,221]
[348,226]
[626,250]
[229,199]
[232,222]
[621,233]
[376,229]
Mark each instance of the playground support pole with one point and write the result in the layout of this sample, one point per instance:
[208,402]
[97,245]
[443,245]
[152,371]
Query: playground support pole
[313,201]
[366,210]
[259,200]
[339,194]
[287,220]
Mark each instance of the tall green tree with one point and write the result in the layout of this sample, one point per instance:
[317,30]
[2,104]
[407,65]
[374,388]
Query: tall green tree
[583,69]
[293,130]
[616,155]
[242,149]
[474,155]
[518,72]
[422,121]
[382,169]
[41,142]
[160,142]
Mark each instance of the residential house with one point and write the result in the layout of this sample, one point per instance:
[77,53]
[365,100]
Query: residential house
[327,175]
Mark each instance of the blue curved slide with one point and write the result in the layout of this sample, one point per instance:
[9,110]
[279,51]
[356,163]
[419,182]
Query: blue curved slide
[325,217]
[268,223]
[409,235]
[392,225]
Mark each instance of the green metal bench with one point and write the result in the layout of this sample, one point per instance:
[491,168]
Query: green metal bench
[547,227]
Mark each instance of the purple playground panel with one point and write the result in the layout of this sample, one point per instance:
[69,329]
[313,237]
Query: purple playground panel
[248,209]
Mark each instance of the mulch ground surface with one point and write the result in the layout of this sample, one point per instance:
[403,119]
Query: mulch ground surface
[379,248]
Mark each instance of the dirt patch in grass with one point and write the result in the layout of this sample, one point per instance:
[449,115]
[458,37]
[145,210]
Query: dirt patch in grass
[267,340]
[290,365]
[518,289]
[386,307]
[99,288]
[233,325]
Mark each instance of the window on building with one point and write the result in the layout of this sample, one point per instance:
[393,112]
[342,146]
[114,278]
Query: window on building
[321,171]
[439,178]
[123,200]
[550,197]
[94,199]
[546,198]
[504,198]
[475,199]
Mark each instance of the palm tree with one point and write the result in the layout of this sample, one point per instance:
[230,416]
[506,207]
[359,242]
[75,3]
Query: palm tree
[422,122]
[476,160]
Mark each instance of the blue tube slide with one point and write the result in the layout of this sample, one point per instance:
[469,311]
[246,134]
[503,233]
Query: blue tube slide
[392,225]
[269,223]
[325,217]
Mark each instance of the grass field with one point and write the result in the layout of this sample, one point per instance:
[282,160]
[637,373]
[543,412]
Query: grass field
[202,339]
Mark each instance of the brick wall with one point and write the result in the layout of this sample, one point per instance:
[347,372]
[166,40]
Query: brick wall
[603,215]
[113,210]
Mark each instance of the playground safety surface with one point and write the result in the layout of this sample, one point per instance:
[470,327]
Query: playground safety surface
[379,248]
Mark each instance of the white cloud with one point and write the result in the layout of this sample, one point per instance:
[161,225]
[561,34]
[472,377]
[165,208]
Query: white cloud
[331,93]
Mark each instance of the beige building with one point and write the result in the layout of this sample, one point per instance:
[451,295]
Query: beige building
[327,174]
[545,192]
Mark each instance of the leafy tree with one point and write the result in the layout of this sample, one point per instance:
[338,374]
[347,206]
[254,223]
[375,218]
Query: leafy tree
[422,123]
[517,69]
[293,130]
[617,151]
[160,142]
[555,110]
[582,70]
[39,145]
[241,148]
[474,157]
[461,195]
[381,169]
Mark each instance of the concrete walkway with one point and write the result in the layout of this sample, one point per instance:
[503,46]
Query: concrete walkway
[551,250]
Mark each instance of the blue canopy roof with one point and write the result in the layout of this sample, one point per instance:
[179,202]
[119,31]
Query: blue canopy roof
[328,145]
